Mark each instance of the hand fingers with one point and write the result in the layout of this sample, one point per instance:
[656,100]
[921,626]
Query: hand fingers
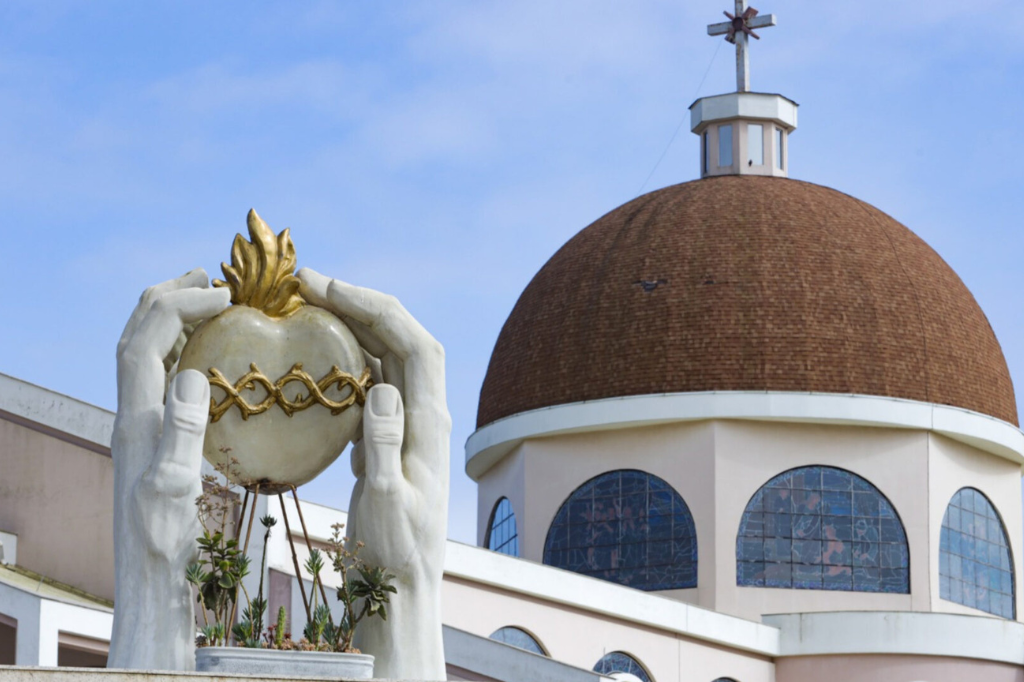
[175,469]
[367,310]
[140,367]
[383,432]
[195,279]
[313,287]
[374,365]
[382,314]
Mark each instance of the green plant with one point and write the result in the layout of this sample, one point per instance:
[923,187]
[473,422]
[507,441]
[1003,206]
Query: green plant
[218,573]
[282,620]
[372,590]
[249,629]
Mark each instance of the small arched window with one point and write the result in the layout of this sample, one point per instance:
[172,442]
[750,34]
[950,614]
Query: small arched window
[822,528]
[519,638]
[627,527]
[618,662]
[975,565]
[502,536]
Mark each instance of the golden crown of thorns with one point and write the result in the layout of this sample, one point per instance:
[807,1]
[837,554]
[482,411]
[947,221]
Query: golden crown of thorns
[275,391]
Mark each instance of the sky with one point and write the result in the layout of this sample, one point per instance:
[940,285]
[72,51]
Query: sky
[442,152]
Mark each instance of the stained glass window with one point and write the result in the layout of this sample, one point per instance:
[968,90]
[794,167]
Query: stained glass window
[821,528]
[518,638]
[618,662]
[503,536]
[628,527]
[975,567]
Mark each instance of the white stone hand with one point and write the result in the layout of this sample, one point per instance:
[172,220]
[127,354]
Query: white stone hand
[399,506]
[157,450]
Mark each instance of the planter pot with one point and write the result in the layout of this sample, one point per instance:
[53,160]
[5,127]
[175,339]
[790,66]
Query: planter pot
[274,663]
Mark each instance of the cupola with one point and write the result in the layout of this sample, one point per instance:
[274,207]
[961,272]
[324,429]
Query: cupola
[743,132]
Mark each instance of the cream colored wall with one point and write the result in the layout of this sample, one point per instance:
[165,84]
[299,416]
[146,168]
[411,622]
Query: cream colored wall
[954,466]
[738,164]
[581,638]
[64,522]
[868,668]
[717,466]
[748,454]
[679,454]
[504,479]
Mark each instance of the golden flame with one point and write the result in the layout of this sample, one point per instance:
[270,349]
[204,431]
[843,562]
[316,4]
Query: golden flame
[261,274]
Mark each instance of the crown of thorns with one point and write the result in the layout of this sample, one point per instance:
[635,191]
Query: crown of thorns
[314,393]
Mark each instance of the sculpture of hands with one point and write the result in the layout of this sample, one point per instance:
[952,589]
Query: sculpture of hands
[399,505]
[157,451]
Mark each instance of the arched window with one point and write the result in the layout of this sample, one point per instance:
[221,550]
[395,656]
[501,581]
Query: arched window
[975,566]
[518,638]
[502,536]
[628,527]
[618,662]
[821,528]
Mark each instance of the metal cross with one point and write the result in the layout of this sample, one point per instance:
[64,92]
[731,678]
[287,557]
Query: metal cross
[736,31]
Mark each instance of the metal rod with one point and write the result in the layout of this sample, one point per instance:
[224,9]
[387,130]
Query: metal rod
[241,517]
[248,533]
[295,558]
[309,546]
[252,515]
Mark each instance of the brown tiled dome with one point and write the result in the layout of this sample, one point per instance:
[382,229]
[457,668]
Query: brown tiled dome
[743,283]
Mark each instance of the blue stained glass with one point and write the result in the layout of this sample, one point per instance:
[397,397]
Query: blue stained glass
[807,577]
[837,578]
[974,556]
[778,575]
[627,527]
[841,533]
[633,482]
[518,638]
[836,528]
[502,536]
[778,501]
[751,573]
[807,527]
[865,504]
[618,662]
[838,503]
[835,479]
[806,551]
[778,549]
[837,553]
[778,525]
[750,549]
[891,531]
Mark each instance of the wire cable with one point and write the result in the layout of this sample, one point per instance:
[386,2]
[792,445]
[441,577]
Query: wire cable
[681,121]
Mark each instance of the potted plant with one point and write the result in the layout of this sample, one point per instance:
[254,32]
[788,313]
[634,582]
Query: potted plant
[325,650]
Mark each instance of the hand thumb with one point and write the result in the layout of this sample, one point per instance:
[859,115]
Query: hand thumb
[383,427]
[175,469]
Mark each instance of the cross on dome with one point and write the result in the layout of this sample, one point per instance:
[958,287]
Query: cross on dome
[736,30]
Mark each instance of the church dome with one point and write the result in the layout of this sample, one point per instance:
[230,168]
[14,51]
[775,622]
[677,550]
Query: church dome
[746,283]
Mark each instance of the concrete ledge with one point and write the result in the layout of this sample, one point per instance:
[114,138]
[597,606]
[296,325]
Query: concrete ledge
[892,632]
[598,596]
[58,415]
[499,661]
[12,673]
[490,443]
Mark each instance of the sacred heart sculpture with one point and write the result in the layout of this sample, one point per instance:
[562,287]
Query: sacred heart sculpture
[287,379]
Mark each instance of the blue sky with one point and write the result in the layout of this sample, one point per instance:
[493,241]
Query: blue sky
[443,151]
